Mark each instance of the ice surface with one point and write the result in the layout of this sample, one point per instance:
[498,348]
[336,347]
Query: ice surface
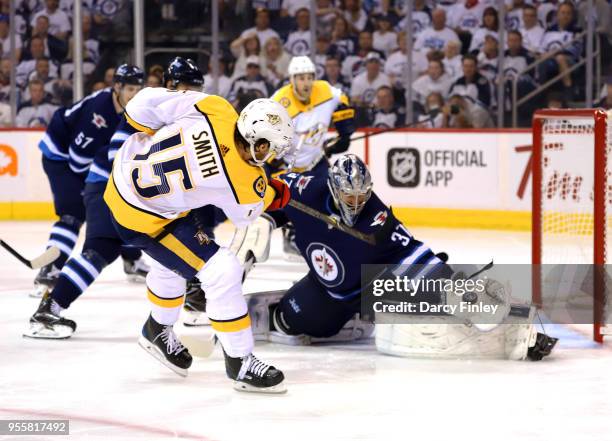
[110,389]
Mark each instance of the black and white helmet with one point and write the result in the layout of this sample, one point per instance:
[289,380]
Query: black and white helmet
[350,184]
[266,119]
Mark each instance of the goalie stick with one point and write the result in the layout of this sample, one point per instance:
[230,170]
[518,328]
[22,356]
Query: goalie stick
[372,239]
[49,256]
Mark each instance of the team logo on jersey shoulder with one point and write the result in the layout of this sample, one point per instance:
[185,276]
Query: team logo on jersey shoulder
[99,121]
[284,101]
[379,219]
[260,186]
[326,263]
[224,149]
[302,182]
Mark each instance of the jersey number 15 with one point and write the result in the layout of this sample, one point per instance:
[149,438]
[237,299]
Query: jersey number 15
[161,169]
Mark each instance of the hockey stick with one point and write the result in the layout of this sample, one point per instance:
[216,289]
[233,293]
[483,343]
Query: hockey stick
[49,256]
[432,115]
[371,239]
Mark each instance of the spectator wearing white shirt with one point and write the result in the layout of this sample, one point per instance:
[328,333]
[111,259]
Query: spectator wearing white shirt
[490,26]
[298,41]
[355,15]
[365,85]
[345,43]
[250,46]
[488,58]
[35,52]
[250,86]
[465,18]
[433,117]
[384,39]
[291,7]
[59,23]
[5,41]
[326,16]
[275,62]
[452,60]
[354,65]
[421,19]
[36,112]
[55,48]
[435,37]
[395,64]
[472,83]
[555,37]
[261,29]
[224,83]
[435,80]
[531,31]
[514,15]
[385,114]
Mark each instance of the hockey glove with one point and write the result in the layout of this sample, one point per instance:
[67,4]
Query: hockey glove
[341,145]
[283,194]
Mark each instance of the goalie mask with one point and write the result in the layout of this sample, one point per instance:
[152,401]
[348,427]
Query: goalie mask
[266,120]
[350,184]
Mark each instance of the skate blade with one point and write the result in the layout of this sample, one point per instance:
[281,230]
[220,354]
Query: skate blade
[280,388]
[157,354]
[40,331]
[39,291]
[135,278]
[195,318]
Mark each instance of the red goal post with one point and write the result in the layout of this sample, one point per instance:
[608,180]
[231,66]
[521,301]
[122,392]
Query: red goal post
[570,196]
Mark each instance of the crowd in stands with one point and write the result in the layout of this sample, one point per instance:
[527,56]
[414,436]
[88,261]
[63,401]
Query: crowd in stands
[360,48]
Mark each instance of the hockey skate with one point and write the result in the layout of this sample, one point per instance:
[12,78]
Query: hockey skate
[48,323]
[252,375]
[136,270]
[45,280]
[195,305]
[162,343]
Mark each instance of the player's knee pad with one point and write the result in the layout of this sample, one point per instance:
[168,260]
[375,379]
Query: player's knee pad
[83,269]
[71,221]
[106,248]
[222,275]
[164,282]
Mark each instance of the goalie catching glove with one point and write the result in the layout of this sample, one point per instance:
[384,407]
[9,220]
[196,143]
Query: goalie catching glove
[283,195]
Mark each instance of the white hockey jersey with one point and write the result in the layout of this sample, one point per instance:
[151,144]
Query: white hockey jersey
[312,120]
[184,157]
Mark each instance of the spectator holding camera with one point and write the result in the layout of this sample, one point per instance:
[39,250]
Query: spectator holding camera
[463,113]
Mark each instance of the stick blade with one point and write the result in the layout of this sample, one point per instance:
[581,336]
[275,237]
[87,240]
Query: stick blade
[49,256]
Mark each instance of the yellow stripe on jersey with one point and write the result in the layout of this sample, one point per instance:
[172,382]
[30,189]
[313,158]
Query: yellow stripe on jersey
[164,303]
[234,325]
[341,115]
[344,100]
[132,217]
[186,255]
[242,177]
[138,126]
[321,93]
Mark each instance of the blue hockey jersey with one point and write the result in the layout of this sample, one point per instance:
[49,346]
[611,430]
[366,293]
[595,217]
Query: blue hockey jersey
[335,257]
[103,161]
[75,134]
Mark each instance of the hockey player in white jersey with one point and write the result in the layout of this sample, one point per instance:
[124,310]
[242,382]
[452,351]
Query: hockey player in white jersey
[314,105]
[193,151]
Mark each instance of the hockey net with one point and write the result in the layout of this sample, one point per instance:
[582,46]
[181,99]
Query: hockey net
[571,201]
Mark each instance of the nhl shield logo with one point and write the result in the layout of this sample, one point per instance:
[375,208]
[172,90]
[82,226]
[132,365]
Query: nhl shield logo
[403,167]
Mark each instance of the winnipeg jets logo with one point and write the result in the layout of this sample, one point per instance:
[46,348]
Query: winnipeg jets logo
[99,121]
[326,264]
[302,182]
[379,219]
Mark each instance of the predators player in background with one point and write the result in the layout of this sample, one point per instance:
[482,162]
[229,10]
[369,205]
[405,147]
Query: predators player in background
[72,140]
[102,243]
[325,304]
[314,105]
[193,150]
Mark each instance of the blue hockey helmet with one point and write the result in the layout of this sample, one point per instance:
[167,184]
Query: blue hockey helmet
[129,74]
[350,184]
[183,70]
